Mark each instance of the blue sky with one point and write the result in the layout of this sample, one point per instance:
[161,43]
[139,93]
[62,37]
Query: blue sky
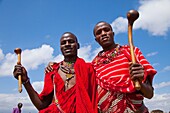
[35,26]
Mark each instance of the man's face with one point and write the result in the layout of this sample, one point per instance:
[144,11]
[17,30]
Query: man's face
[69,45]
[103,34]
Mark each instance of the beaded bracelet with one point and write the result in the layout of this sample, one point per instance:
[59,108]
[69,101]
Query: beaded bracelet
[26,81]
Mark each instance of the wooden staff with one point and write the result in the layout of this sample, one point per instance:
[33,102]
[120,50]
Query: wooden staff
[132,15]
[18,52]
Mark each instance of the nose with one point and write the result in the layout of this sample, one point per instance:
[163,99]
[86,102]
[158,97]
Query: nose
[103,32]
[67,43]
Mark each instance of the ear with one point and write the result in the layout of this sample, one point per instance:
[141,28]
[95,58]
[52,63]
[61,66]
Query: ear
[78,45]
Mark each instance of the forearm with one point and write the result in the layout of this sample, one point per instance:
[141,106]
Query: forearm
[147,90]
[38,103]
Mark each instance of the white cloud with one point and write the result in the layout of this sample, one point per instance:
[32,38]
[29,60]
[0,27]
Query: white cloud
[119,25]
[35,57]
[95,52]
[161,85]
[154,16]
[9,101]
[85,52]
[151,54]
[6,66]
[31,59]
[58,58]
[159,101]
[38,86]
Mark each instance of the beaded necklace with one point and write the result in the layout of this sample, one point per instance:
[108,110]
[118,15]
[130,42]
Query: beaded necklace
[68,69]
[108,56]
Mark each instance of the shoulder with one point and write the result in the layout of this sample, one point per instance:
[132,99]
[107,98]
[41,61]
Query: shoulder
[127,47]
[82,63]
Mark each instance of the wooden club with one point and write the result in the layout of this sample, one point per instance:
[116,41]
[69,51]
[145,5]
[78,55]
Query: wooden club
[132,15]
[18,52]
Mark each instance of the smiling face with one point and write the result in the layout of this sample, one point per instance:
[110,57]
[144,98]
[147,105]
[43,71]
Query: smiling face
[69,45]
[104,35]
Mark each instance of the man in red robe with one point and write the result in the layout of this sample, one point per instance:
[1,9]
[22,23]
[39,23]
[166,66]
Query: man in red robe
[69,87]
[115,75]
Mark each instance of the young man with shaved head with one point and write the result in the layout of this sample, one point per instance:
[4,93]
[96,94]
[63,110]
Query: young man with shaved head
[115,75]
[69,87]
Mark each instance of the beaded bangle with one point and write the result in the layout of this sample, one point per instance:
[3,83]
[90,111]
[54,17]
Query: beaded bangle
[26,81]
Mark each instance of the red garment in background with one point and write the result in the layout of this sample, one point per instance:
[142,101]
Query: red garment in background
[81,98]
[116,92]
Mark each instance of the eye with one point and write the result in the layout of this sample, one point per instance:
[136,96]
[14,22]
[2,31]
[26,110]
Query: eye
[106,29]
[71,41]
[63,42]
[98,32]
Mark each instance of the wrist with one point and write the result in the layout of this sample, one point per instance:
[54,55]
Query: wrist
[25,82]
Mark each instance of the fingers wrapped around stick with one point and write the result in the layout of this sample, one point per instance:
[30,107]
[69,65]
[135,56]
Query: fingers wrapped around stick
[136,72]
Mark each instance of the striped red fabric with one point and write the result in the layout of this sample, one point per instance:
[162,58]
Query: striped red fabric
[113,72]
[116,89]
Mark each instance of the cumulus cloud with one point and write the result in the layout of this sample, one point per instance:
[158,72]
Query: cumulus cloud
[154,17]
[6,65]
[38,86]
[35,57]
[159,101]
[9,101]
[58,58]
[85,52]
[161,85]
[119,25]
[31,59]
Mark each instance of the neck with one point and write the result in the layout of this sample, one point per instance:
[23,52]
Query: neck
[70,59]
[110,47]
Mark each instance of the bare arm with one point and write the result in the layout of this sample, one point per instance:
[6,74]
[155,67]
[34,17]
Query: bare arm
[38,103]
[147,89]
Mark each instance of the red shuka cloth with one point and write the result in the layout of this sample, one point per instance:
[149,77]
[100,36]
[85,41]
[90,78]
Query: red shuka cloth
[81,98]
[117,92]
